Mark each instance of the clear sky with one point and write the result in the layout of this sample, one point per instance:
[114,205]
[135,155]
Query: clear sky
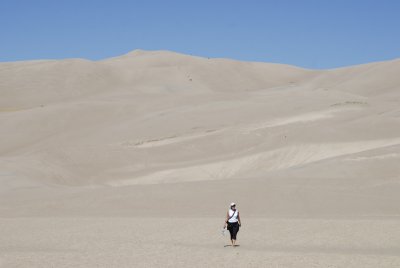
[309,33]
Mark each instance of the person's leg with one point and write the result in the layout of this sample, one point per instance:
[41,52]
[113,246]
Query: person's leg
[231,232]
[235,230]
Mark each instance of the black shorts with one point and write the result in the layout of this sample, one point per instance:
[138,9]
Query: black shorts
[233,228]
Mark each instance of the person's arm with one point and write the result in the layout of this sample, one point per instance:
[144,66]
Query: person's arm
[239,219]
[226,219]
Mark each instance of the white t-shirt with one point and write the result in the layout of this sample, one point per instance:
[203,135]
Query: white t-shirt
[235,214]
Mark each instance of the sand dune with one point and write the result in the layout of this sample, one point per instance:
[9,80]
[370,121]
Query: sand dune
[272,160]
[161,135]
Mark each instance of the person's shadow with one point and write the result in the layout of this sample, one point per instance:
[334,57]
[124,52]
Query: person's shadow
[231,246]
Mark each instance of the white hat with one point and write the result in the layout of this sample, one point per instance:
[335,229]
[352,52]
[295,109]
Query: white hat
[233,204]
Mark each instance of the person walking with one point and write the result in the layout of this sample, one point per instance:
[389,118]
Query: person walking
[232,222]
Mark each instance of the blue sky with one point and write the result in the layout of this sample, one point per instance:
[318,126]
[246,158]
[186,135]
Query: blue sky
[315,34]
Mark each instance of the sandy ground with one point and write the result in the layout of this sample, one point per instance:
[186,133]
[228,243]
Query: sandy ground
[131,162]
[197,242]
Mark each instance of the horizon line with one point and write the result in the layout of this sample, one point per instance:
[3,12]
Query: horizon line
[141,50]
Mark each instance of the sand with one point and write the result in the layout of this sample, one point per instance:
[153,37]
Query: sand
[162,242]
[131,162]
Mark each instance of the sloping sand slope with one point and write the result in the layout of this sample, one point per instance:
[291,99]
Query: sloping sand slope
[164,135]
